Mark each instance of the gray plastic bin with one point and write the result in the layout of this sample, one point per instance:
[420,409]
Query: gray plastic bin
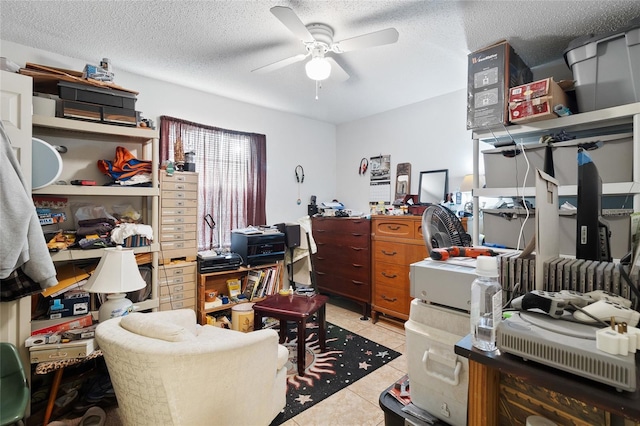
[606,68]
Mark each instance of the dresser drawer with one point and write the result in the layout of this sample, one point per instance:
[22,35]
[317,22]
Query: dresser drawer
[178,227]
[392,274]
[394,228]
[179,186]
[178,269]
[417,230]
[166,304]
[180,195]
[386,251]
[179,177]
[392,298]
[179,202]
[344,256]
[177,236]
[340,225]
[177,245]
[178,291]
[351,271]
[344,239]
[354,289]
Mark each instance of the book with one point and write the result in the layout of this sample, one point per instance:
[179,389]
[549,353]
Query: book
[251,285]
[234,287]
[262,286]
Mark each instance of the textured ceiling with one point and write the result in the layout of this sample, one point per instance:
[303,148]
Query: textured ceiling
[213,45]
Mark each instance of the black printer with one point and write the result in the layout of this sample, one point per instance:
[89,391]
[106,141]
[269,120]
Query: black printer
[258,249]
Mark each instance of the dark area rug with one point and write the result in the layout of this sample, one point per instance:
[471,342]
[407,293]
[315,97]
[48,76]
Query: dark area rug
[348,358]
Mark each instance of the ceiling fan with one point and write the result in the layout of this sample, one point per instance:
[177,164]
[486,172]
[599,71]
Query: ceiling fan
[318,40]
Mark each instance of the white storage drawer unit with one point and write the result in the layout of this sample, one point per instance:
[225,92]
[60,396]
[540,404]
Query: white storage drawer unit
[439,378]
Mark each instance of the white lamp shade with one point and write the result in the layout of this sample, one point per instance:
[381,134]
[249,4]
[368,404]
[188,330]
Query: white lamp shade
[467,183]
[117,272]
[318,69]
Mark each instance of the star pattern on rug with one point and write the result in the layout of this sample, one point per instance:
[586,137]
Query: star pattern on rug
[368,353]
[383,354]
[364,365]
[303,399]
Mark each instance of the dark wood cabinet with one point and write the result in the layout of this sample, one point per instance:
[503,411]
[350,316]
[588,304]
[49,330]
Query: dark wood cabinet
[342,263]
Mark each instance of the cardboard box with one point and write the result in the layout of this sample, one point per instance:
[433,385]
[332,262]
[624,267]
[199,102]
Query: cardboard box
[491,72]
[60,325]
[67,307]
[535,101]
[536,89]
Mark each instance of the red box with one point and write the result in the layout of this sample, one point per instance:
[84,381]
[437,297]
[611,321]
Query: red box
[535,101]
[534,110]
[60,325]
[536,89]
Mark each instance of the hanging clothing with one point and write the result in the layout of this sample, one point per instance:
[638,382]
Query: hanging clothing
[22,242]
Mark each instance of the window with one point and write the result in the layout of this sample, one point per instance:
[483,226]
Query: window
[231,170]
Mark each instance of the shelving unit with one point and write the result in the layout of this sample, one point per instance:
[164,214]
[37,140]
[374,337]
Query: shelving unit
[218,281]
[87,143]
[589,124]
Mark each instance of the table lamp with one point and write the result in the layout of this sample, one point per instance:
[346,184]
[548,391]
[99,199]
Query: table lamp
[116,274]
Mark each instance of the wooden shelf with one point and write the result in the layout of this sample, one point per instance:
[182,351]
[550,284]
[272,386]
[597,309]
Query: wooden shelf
[104,130]
[218,281]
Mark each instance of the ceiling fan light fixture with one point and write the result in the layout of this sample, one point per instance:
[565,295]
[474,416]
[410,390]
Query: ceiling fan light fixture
[318,69]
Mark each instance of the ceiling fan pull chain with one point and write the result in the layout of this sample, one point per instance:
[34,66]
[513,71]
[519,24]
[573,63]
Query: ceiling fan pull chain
[317,85]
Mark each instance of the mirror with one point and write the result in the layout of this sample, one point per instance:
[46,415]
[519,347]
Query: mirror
[434,185]
[403,181]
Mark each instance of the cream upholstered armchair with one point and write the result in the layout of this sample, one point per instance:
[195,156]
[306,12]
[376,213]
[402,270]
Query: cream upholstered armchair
[167,370]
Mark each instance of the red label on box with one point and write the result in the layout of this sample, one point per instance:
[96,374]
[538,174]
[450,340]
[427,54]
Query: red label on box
[529,91]
[535,109]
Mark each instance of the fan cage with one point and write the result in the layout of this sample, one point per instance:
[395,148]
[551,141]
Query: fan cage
[438,219]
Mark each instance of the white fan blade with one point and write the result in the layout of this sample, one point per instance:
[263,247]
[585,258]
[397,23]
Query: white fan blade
[290,20]
[281,64]
[337,72]
[378,38]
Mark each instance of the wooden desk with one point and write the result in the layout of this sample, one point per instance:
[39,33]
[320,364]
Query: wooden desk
[562,397]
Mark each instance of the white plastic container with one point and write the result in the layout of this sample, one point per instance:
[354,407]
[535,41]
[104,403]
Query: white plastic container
[439,379]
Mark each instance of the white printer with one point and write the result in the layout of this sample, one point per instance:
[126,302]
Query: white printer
[438,319]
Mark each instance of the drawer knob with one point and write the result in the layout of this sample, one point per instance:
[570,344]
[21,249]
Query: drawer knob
[356,265]
[388,299]
[389,253]
[357,282]
[393,228]
[389,276]
[356,248]
[356,234]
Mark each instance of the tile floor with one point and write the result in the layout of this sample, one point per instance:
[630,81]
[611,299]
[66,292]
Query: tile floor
[358,404]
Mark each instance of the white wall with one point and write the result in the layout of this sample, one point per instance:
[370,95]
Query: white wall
[291,139]
[430,135]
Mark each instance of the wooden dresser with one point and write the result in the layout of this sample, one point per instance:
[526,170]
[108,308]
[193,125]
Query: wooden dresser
[397,242]
[342,263]
[178,240]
